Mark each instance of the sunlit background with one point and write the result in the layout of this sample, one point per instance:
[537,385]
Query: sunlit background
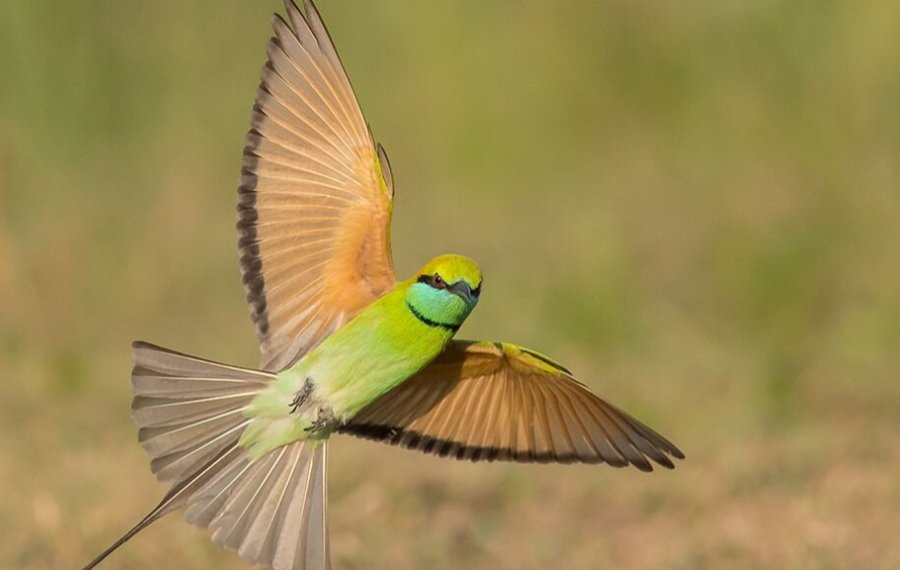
[696,206]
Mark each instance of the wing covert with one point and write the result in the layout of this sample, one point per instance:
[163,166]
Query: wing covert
[315,196]
[494,401]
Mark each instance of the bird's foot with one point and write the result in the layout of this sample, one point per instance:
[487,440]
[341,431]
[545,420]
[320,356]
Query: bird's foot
[324,419]
[301,396]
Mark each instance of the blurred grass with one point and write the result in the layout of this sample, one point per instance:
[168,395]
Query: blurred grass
[695,206]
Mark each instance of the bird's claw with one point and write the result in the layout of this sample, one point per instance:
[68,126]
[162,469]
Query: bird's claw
[301,396]
[323,420]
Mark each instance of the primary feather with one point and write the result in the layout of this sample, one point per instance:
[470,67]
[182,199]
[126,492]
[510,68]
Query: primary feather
[499,402]
[315,196]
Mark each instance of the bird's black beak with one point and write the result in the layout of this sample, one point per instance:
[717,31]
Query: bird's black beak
[462,290]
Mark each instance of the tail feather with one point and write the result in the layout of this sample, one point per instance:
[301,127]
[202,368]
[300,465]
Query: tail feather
[188,410]
[190,417]
[255,508]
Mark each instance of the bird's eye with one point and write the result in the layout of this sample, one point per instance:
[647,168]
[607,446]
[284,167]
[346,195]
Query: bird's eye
[477,290]
[437,281]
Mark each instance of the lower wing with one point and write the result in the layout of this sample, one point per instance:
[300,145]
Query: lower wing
[486,401]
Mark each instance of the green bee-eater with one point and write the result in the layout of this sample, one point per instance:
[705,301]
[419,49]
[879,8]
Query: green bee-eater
[345,347]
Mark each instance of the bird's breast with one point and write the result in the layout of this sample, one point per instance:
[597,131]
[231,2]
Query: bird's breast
[369,356]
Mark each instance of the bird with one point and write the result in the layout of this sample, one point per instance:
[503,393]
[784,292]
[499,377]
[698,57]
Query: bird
[346,347]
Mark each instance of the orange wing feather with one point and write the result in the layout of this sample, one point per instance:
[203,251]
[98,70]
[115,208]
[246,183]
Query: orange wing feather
[315,197]
[493,401]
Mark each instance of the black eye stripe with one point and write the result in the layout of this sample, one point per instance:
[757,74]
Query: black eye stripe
[429,280]
[434,280]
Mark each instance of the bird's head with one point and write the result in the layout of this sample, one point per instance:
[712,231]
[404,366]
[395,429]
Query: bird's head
[445,290]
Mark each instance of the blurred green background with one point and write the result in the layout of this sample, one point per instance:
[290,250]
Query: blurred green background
[696,206]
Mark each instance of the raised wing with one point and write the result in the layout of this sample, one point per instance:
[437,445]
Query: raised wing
[315,196]
[492,401]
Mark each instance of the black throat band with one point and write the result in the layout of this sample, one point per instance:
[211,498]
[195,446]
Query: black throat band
[429,322]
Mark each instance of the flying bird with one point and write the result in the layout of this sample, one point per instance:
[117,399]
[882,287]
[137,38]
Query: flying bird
[345,346]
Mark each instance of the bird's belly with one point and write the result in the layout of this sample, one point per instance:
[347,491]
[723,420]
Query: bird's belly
[350,380]
[352,386]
